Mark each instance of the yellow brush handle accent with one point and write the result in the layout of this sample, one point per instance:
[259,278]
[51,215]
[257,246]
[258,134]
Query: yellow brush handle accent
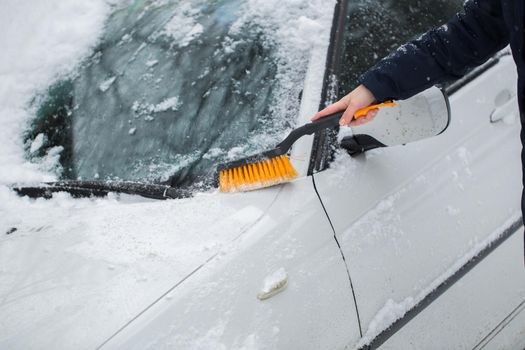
[363,111]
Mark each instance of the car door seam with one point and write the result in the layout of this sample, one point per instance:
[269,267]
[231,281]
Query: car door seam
[342,256]
[504,323]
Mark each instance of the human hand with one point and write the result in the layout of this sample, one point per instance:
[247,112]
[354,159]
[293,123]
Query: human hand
[359,98]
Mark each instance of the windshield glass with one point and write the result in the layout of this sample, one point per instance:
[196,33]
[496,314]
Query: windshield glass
[176,87]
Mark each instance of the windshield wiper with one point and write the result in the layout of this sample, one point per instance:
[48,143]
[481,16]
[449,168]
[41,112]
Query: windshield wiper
[79,189]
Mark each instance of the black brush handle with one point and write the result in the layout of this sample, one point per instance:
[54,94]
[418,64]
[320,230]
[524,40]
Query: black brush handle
[308,129]
[281,149]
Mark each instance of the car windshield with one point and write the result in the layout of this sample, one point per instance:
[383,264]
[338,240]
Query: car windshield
[173,89]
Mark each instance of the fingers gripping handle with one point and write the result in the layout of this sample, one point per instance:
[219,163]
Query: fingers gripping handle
[333,120]
[330,121]
[308,129]
[363,111]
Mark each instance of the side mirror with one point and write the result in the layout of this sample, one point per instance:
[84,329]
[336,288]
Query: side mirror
[422,116]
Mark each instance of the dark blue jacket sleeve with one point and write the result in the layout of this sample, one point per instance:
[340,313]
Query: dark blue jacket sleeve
[447,52]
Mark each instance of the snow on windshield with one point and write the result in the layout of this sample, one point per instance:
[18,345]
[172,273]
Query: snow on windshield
[162,88]
[40,40]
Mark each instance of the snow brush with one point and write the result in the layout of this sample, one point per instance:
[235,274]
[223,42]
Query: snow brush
[274,166]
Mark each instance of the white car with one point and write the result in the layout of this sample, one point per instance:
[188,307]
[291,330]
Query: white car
[415,246]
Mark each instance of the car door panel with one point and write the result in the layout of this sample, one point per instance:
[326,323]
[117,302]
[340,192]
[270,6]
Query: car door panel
[407,215]
[459,318]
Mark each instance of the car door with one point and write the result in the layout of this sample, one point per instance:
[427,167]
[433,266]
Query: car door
[412,220]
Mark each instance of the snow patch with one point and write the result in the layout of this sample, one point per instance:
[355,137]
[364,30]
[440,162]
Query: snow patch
[274,280]
[145,109]
[106,84]
[83,255]
[213,153]
[235,152]
[151,63]
[380,223]
[344,131]
[169,103]
[183,27]
[463,154]
[386,316]
[37,143]
[41,41]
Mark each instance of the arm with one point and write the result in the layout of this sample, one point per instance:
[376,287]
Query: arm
[447,52]
[444,53]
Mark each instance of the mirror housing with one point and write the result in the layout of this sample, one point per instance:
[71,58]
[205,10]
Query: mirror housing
[422,116]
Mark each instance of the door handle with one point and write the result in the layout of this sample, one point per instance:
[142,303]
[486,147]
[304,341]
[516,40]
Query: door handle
[506,111]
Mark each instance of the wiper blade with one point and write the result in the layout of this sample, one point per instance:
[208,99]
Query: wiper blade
[81,189]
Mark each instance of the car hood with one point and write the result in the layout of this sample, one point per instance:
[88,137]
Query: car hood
[73,271]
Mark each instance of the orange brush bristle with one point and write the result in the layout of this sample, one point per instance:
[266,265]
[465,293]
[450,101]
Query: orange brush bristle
[264,173]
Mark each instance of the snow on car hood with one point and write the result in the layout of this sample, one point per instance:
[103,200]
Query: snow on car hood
[74,271]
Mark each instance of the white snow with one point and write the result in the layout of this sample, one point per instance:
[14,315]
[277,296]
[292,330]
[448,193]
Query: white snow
[169,103]
[275,279]
[235,152]
[443,28]
[145,109]
[464,155]
[344,131]
[37,143]
[49,162]
[296,27]
[380,222]
[105,85]
[40,41]
[77,264]
[213,152]
[183,26]
[151,63]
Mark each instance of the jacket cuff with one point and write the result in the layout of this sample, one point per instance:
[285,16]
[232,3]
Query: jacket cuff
[378,85]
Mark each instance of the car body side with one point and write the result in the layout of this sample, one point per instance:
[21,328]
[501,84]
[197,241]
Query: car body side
[409,217]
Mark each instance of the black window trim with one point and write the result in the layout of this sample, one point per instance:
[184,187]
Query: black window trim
[320,154]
